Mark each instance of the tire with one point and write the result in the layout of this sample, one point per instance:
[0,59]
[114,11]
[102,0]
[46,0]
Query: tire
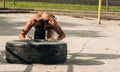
[36,51]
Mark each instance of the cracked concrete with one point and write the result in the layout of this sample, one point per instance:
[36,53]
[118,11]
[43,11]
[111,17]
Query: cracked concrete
[91,47]
[83,46]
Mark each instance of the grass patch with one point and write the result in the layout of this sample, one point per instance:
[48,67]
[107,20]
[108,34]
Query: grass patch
[54,6]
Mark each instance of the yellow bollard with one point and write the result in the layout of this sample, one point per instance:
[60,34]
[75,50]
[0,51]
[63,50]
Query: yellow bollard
[99,11]
[3,3]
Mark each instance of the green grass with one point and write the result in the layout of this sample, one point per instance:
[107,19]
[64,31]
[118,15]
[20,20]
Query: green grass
[54,6]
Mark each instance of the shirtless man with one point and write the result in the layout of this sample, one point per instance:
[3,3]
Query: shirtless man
[45,26]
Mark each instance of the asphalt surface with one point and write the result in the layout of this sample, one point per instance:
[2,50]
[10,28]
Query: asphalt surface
[91,47]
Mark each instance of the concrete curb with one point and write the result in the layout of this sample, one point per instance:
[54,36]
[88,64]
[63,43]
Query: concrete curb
[81,14]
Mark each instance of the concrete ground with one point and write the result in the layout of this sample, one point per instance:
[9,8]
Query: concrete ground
[91,47]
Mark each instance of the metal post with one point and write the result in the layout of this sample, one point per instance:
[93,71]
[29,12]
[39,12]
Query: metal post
[107,5]
[99,11]
[13,2]
[3,3]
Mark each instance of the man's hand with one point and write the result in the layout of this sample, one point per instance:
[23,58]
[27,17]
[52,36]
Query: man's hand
[52,39]
[28,38]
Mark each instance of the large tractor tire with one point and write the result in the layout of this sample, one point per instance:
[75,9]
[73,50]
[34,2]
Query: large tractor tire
[36,51]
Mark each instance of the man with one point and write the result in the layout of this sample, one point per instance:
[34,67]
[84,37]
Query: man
[45,26]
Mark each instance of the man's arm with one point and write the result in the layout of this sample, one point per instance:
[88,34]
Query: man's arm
[25,30]
[32,22]
[57,29]
[61,34]
[50,34]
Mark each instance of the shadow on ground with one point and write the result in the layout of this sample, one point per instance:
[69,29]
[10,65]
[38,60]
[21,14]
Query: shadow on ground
[75,59]
[11,28]
[92,59]
[7,27]
[80,33]
[83,33]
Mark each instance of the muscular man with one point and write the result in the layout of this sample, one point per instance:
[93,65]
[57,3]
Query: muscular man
[45,26]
